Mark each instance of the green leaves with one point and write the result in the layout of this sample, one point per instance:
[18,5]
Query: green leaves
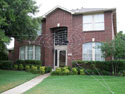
[3,38]
[115,48]
[16,20]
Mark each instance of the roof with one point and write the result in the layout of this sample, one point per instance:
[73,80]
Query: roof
[80,11]
[44,16]
[91,10]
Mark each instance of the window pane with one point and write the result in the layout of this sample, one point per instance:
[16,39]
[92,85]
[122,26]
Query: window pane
[37,52]
[98,52]
[30,52]
[87,51]
[22,53]
[87,27]
[99,18]
[99,26]
[87,19]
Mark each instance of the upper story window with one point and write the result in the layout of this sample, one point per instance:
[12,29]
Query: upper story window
[30,52]
[60,37]
[93,22]
[39,30]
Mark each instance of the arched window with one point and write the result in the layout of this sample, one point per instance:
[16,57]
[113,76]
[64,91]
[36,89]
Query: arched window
[30,52]
[92,51]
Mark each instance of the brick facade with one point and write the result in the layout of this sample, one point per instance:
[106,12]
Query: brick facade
[76,37]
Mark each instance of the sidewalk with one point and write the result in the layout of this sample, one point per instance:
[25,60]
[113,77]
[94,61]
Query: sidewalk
[27,85]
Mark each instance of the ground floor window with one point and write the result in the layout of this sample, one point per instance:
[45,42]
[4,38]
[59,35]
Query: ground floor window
[92,51]
[30,52]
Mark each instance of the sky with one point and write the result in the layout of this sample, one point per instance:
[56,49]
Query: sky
[46,5]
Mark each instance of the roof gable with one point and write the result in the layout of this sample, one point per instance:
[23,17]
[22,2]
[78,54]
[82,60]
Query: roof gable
[57,7]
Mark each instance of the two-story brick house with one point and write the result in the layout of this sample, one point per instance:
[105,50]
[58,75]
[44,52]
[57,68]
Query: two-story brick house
[69,35]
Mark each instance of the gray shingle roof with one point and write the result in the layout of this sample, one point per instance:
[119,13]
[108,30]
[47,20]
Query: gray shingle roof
[89,10]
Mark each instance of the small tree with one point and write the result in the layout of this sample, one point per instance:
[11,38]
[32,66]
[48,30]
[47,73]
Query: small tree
[115,48]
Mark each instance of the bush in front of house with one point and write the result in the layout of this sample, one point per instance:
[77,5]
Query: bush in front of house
[61,71]
[65,72]
[82,72]
[42,70]
[103,72]
[27,68]
[15,67]
[21,67]
[100,67]
[6,64]
[74,71]
[48,69]
[34,69]
[29,62]
[58,71]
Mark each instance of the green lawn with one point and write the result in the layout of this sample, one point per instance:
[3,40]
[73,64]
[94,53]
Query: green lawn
[79,85]
[10,79]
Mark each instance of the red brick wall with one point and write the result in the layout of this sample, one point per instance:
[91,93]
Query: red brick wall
[81,37]
[18,44]
[75,35]
[64,19]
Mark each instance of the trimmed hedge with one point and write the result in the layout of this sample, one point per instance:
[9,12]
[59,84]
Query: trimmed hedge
[6,64]
[29,62]
[104,67]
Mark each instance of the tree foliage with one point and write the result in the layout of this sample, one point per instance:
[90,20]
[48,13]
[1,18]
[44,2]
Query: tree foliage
[16,20]
[115,48]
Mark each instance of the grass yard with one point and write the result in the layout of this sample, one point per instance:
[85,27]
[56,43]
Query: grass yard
[10,79]
[79,85]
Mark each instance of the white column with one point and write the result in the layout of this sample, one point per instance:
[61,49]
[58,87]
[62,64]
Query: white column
[58,53]
[93,49]
[66,57]
[26,48]
[33,52]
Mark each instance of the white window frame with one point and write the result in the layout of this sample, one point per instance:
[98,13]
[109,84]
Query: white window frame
[93,51]
[26,52]
[93,23]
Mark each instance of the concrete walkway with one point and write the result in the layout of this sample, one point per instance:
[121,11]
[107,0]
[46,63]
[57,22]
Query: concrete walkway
[27,85]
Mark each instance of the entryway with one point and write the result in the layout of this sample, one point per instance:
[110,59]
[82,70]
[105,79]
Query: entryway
[60,56]
[60,40]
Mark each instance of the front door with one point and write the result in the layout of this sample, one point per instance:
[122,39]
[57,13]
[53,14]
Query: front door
[60,58]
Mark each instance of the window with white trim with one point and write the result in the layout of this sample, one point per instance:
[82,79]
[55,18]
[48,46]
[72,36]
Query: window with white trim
[37,52]
[22,53]
[30,52]
[92,51]
[93,22]
[39,31]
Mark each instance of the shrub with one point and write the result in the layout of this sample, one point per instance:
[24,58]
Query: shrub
[82,72]
[53,73]
[61,71]
[7,64]
[88,71]
[122,73]
[66,72]
[48,69]
[108,66]
[21,67]
[58,71]
[74,71]
[15,67]
[29,62]
[27,68]
[34,69]
[103,72]
[42,70]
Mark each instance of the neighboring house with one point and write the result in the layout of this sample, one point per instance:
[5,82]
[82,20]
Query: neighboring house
[69,35]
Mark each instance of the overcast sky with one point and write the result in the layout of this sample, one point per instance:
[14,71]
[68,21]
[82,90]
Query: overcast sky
[46,5]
